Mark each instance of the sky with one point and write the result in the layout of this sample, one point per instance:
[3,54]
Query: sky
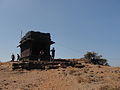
[77,26]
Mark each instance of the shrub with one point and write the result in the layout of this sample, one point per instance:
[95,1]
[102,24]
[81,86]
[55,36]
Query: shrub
[94,58]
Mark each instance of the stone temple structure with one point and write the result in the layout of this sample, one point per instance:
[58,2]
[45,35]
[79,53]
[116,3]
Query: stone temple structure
[35,45]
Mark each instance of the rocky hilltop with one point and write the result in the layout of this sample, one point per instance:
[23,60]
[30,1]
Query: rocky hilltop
[90,77]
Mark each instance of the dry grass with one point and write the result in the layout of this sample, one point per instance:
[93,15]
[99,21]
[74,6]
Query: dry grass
[107,87]
[91,77]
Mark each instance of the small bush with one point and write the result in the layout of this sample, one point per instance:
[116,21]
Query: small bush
[94,58]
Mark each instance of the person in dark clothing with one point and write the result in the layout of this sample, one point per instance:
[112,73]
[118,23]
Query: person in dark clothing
[12,57]
[53,53]
[41,53]
[18,57]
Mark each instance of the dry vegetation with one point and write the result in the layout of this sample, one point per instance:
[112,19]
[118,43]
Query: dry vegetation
[91,77]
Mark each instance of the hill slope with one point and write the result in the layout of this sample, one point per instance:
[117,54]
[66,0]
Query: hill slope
[91,77]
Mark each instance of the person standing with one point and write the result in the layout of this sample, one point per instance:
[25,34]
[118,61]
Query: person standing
[53,53]
[13,57]
[18,57]
[41,53]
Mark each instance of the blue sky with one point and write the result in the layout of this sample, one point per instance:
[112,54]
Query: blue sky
[77,26]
